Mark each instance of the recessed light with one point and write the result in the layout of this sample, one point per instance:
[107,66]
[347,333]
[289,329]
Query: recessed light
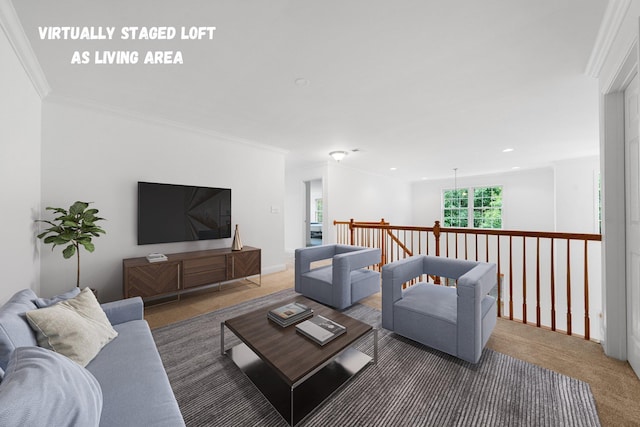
[507,150]
[302,82]
[393,169]
[515,167]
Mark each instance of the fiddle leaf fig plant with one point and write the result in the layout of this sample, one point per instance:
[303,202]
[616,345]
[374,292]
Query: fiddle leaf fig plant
[73,228]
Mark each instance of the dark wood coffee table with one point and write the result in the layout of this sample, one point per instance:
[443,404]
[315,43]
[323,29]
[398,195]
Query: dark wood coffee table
[295,374]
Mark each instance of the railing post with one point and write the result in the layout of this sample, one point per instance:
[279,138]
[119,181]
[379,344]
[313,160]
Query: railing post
[436,235]
[383,244]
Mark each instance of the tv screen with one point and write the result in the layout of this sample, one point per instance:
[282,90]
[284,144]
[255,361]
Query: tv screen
[178,213]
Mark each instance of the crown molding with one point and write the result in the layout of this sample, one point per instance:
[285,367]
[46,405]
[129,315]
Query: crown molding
[156,120]
[10,24]
[609,27]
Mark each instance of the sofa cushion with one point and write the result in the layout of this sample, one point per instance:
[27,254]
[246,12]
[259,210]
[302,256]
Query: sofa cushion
[43,388]
[77,327]
[14,328]
[46,302]
[135,385]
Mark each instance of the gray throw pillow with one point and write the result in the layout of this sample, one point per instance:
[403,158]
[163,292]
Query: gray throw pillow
[77,327]
[42,388]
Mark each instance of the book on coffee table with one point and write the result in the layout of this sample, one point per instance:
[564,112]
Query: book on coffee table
[320,329]
[289,314]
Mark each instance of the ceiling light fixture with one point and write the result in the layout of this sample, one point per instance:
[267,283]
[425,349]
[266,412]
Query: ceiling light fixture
[507,150]
[338,155]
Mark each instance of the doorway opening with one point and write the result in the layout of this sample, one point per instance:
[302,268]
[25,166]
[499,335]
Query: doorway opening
[314,216]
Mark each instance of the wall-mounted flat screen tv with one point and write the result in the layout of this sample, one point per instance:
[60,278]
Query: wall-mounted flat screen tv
[178,213]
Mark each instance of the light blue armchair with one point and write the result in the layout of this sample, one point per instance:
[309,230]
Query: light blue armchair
[343,282]
[456,320]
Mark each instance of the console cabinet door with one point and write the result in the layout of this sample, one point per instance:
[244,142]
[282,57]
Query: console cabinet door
[243,264]
[152,279]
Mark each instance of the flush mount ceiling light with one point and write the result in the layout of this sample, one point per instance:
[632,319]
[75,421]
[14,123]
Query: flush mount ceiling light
[507,150]
[338,155]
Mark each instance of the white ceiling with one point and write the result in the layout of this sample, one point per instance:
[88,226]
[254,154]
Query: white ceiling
[425,86]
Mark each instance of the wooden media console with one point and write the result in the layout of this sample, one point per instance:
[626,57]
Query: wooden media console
[188,270]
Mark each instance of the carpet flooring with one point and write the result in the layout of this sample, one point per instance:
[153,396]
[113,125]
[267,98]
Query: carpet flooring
[412,385]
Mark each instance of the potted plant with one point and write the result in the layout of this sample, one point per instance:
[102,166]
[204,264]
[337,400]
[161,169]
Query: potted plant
[74,227]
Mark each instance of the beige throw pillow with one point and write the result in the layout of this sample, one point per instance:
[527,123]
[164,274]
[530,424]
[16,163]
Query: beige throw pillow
[77,327]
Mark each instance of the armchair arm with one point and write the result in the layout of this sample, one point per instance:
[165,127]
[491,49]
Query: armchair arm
[124,310]
[472,288]
[343,264]
[393,276]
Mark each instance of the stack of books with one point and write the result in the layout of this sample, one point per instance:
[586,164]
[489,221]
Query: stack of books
[320,329]
[289,314]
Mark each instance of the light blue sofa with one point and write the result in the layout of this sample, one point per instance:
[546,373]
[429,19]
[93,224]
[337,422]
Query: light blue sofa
[456,320]
[134,387]
[341,283]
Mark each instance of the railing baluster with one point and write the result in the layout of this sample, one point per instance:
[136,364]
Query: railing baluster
[538,282]
[524,280]
[476,236]
[553,287]
[568,287]
[587,323]
[486,247]
[456,235]
[510,277]
[499,278]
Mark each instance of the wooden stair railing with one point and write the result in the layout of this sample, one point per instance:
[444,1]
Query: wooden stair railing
[397,242]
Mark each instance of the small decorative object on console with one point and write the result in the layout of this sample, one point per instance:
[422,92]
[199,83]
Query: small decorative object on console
[155,257]
[320,329]
[237,243]
[289,314]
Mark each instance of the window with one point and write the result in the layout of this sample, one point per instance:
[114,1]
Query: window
[485,211]
[456,208]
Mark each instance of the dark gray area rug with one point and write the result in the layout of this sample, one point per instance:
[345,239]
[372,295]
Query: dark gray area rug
[411,385]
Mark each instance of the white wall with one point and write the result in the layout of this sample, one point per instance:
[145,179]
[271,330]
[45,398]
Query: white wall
[528,198]
[20,110]
[364,197]
[96,156]
[576,200]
